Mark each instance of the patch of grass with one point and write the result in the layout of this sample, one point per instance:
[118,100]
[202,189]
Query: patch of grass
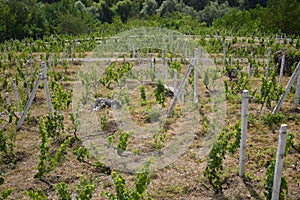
[274,120]
[152,115]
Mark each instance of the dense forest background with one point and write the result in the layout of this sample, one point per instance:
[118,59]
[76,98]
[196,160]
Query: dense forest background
[39,18]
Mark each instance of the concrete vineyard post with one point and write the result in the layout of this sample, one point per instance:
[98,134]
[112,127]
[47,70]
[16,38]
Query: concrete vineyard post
[28,104]
[175,82]
[31,68]
[148,60]
[297,92]
[182,95]
[185,51]
[249,68]
[16,94]
[53,63]
[26,79]
[224,62]
[163,56]
[152,64]
[196,65]
[244,126]
[268,62]
[166,72]
[133,51]
[7,99]
[287,89]
[5,55]
[48,99]
[63,56]
[139,60]
[279,162]
[76,41]
[72,49]
[50,62]
[251,64]
[281,69]
[147,53]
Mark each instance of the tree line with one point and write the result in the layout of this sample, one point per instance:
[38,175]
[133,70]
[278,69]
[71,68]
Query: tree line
[38,18]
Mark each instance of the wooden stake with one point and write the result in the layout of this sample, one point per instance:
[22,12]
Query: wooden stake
[279,162]
[244,126]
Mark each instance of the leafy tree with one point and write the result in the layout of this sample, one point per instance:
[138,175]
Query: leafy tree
[149,7]
[249,4]
[281,14]
[123,8]
[167,7]
[170,6]
[105,12]
[5,19]
[159,2]
[241,22]
[93,10]
[87,3]
[196,4]
[213,11]
[74,24]
[186,10]
[16,18]
[48,1]
[80,6]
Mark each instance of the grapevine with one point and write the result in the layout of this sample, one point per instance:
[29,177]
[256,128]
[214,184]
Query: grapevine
[214,168]
[160,93]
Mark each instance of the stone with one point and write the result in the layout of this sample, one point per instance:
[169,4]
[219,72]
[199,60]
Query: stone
[102,103]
